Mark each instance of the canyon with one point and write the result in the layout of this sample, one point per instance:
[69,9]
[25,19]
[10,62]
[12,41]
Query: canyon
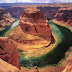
[35,37]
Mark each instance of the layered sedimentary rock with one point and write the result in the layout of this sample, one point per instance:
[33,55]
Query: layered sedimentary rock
[8,52]
[33,22]
[5,19]
[64,15]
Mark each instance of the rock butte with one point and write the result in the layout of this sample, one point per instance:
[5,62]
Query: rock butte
[8,51]
[34,33]
[33,22]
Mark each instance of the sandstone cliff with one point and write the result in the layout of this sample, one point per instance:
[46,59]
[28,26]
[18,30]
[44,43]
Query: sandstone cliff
[64,15]
[33,22]
[8,52]
[5,19]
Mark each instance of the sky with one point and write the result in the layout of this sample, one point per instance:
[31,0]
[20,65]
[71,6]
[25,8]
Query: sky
[35,1]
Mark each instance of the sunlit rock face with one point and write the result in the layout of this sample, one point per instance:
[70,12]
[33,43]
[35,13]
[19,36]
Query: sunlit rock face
[8,52]
[33,22]
[6,67]
[64,15]
[5,19]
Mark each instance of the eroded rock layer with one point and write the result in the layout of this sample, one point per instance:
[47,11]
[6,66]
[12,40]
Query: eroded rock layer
[5,19]
[33,22]
[8,52]
[64,15]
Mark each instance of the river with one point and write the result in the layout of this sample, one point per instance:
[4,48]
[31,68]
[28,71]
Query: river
[9,27]
[53,57]
[65,41]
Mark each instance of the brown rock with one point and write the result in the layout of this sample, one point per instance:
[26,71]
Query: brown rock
[8,52]
[32,21]
[64,15]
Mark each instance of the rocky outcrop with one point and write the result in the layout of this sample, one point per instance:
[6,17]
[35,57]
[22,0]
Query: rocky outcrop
[49,12]
[16,11]
[6,67]
[8,52]
[64,15]
[33,22]
[5,19]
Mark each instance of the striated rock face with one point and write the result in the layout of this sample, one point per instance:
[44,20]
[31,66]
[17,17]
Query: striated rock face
[33,22]
[64,15]
[8,52]
[16,11]
[68,68]
[5,19]
[6,67]
[49,12]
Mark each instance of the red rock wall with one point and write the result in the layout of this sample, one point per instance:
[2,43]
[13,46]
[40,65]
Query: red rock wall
[8,52]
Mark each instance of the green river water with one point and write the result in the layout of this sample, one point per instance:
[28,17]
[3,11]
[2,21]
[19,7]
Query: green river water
[54,56]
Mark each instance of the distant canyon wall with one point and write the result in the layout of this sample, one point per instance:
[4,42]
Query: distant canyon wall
[49,12]
[64,15]
[15,11]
